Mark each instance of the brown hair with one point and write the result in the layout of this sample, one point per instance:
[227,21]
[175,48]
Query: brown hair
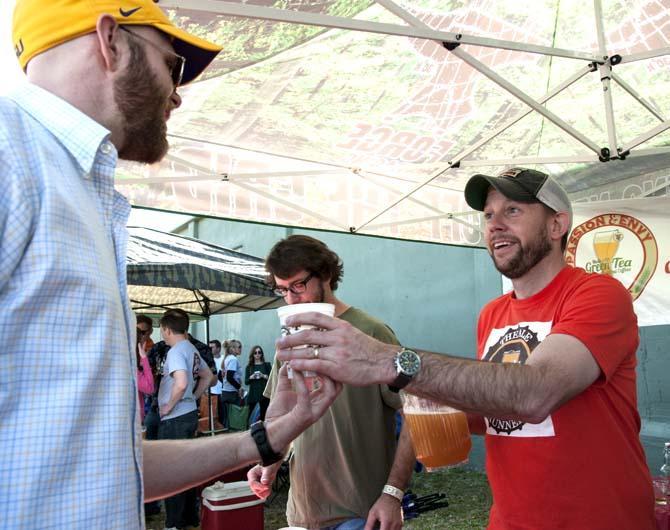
[175,320]
[299,252]
[251,355]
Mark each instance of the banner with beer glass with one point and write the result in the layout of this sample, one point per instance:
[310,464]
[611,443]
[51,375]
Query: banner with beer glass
[630,241]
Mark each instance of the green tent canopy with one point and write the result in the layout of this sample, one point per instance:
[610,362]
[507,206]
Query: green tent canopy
[170,271]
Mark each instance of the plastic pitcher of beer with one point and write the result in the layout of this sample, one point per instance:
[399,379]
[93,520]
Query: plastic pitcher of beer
[440,434]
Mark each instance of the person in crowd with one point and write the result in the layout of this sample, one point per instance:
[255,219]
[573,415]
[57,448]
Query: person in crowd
[215,389]
[554,386]
[145,378]
[232,390]
[256,377]
[102,82]
[358,431]
[185,378]
[157,356]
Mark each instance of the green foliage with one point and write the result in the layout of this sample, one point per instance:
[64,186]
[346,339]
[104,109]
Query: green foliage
[246,41]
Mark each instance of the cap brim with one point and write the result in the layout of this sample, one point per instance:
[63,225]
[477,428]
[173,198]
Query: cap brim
[477,188]
[198,52]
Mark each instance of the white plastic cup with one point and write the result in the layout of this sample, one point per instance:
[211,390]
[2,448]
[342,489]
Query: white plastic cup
[295,309]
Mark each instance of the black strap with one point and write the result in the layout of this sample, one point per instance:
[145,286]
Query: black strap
[260,436]
[230,377]
[401,381]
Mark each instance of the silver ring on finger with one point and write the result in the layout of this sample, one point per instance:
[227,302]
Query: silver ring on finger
[316,352]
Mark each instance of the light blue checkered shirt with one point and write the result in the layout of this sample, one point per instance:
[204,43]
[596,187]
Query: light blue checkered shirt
[70,448]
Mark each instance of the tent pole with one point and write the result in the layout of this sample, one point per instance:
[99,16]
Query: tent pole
[662,127]
[647,105]
[605,70]
[549,95]
[329,21]
[519,94]
[209,389]
[275,198]
[643,56]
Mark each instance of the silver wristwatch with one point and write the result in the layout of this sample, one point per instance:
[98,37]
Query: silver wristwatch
[407,365]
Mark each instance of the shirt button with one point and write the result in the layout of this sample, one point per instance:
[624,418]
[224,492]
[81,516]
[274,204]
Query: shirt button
[106,148]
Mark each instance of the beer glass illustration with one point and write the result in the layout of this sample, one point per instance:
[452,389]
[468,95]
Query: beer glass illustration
[605,245]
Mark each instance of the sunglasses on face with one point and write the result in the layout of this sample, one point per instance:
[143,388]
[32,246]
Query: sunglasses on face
[176,63]
[143,331]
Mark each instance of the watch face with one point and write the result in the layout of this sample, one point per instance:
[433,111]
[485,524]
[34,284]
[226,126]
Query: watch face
[409,362]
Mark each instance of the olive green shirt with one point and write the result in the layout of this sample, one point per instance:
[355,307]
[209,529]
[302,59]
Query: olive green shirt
[341,463]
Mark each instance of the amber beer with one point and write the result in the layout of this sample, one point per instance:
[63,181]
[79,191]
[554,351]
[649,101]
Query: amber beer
[440,437]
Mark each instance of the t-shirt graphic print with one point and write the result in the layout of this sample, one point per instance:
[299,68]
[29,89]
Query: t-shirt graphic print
[515,344]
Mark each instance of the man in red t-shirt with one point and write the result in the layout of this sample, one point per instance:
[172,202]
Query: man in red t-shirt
[554,386]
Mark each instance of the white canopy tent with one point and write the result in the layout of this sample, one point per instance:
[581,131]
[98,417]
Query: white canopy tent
[369,117]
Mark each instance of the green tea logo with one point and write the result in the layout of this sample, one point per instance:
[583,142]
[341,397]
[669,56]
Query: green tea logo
[618,245]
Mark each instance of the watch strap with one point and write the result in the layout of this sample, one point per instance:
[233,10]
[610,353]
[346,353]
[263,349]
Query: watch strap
[260,436]
[393,491]
[400,382]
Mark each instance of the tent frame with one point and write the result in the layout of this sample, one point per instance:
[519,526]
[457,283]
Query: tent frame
[602,63]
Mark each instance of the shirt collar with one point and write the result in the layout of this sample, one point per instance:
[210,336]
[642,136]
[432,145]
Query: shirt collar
[77,132]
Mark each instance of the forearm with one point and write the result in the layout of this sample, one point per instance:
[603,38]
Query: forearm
[178,392]
[145,379]
[192,462]
[230,377]
[203,384]
[503,390]
[403,462]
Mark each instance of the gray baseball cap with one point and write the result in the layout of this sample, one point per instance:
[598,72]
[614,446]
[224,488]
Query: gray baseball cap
[519,184]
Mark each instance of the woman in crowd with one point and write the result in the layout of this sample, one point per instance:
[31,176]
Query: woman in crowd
[255,377]
[145,379]
[231,378]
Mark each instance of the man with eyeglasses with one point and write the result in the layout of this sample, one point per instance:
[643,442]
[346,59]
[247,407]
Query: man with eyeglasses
[363,477]
[102,82]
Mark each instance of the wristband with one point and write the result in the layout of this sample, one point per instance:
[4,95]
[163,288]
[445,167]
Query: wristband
[260,436]
[393,492]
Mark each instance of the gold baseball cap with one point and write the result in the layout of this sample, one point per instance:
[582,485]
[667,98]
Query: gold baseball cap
[39,25]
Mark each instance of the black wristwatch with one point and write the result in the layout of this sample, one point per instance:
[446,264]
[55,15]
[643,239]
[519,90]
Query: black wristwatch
[260,436]
[407,365]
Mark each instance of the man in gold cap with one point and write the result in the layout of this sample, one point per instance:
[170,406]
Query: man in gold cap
[102,81]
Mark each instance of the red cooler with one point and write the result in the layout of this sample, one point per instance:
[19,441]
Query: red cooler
[231,506]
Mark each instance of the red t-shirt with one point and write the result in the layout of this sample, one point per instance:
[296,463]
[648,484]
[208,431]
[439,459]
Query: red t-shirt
[583,468]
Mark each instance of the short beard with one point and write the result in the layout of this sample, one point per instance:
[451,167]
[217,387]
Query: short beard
[137,96]
[526,258]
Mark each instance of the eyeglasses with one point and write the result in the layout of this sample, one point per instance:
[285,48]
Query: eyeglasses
[296,287]
[143,331]
[176,67]
[258,352]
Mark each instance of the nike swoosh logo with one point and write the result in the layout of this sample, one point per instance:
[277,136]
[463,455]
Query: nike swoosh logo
[129,12]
